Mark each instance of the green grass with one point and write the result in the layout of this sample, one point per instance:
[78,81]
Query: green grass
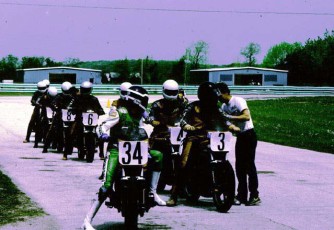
[15,205]
[303,122]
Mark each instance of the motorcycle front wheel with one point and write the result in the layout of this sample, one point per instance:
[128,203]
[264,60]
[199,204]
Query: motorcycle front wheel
[224,191]
[131,218]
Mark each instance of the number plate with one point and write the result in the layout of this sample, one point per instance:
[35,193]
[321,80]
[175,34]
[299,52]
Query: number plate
[176,135]
[133,152]
[49,112]
[90,119]
[220,141]
[67,115]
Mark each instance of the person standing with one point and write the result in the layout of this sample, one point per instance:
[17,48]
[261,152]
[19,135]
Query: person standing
[235,109]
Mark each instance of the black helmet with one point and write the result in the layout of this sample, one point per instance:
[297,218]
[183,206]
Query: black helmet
[208,93]
[86,88]
[138,96]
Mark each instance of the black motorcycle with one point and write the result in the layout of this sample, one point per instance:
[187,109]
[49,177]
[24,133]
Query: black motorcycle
[209,173]
[89,122]
[130,194]
[168,143]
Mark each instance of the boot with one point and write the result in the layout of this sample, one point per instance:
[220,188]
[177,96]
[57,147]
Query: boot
[173,197]
[90,215]
[153,188]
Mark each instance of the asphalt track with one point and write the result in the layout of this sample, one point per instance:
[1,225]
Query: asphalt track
[296,186]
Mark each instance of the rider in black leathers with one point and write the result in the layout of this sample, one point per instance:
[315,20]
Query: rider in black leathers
[83,102]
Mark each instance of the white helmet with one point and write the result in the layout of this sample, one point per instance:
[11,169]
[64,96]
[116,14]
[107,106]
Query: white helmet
[52,91]
[41,86]
[123,88]
[47,82]
[170,89]
[86,88]
[65,86]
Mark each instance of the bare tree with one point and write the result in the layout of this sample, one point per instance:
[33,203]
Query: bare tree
[250,51]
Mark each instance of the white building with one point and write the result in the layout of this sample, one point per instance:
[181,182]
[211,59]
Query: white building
[240,76]
[58,75]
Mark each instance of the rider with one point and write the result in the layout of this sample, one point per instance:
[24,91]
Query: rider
[129,115]
[46,101]
[61,101]
[41,89]
[114,105]
[123,88]
[166,112]
[199,117]
[83,102]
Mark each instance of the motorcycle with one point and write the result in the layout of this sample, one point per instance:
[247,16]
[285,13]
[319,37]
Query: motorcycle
[68,118]
[169,144]
[209,173]
[130,194]
[90,122]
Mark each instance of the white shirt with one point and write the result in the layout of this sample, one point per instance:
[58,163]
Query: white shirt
[235,107]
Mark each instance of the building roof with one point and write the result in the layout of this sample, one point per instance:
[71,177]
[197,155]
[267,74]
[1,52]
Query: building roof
[60,67]
[237,68]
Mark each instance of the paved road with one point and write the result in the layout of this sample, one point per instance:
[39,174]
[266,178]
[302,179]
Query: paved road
[296,187]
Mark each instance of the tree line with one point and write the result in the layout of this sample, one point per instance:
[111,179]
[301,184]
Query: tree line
[308,64]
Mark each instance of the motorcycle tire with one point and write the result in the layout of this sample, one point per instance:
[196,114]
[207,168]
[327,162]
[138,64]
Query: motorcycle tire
[131,219]
[90,145]
[223,195]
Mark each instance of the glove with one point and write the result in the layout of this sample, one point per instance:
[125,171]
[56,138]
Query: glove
[105,137]
[188,127]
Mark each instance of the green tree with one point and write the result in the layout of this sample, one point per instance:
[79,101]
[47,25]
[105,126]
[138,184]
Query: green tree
[32,62]
[8,66]
[249,53]
[276,55]
[197,54]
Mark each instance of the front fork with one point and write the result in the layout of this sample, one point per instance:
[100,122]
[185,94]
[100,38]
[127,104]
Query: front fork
[215,165]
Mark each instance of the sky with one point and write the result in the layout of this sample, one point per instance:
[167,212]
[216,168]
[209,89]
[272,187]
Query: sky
[92,30]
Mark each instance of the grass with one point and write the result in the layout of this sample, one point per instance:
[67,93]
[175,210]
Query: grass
[15,205]
[302,122]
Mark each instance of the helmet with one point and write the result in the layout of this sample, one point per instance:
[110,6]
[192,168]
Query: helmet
[123,88]
[86,88]
[47,82]
[52,91]
[208,93]
[65,87]
[170,90]
[137,95]
[41,86]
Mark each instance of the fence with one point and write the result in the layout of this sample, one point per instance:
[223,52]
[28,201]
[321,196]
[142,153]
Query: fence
[189,89]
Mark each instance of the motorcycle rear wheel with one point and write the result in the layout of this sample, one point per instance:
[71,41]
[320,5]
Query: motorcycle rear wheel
[223,196]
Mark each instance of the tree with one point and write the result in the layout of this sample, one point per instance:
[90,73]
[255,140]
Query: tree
[197,54]
[32,62]
[8,67]
[249,53]
[277,54]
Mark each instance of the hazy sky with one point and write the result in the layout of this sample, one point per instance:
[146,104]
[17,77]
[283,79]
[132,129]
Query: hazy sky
[160,29]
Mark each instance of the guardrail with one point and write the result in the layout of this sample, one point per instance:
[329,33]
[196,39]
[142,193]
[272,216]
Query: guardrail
[189,89]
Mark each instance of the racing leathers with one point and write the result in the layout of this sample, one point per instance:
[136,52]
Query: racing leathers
[35,114]
[81,104]
[165,113]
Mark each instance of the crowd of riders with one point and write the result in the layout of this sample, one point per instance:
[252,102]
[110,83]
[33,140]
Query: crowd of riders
[57,121]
